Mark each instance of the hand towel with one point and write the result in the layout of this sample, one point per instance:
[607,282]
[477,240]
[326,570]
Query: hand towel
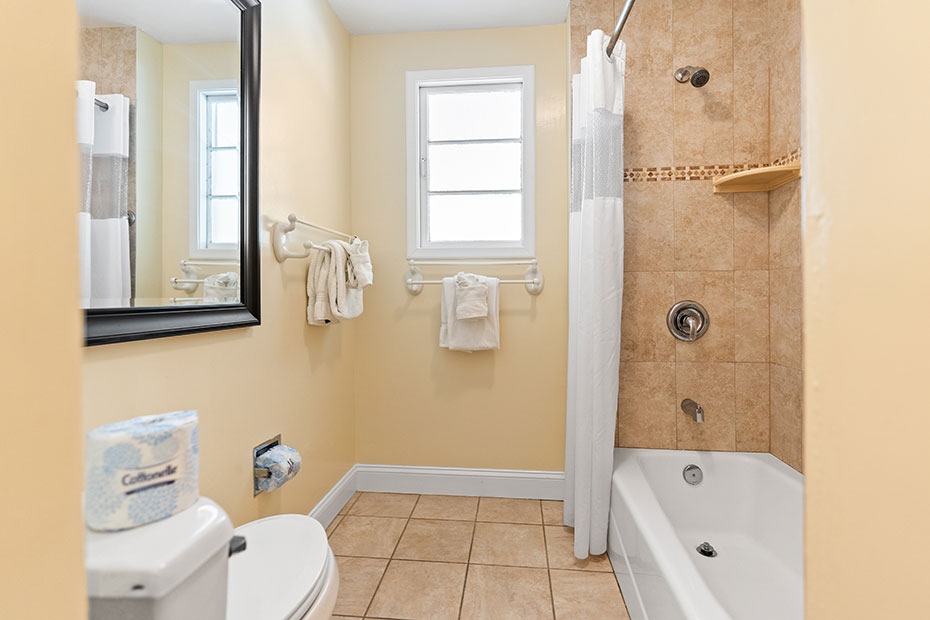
[318,309]
[140,470]
[471,296]
[481,334]
[360,271]
[345,302]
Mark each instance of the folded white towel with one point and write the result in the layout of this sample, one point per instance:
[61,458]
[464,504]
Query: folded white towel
[360,271]
[318,310]
[479,334]
[344,302]
[471,296]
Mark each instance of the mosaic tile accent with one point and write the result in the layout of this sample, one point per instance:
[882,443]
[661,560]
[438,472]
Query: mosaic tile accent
[698,173]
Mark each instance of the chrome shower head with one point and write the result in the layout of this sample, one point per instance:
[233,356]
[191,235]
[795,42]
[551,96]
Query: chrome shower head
[699,76]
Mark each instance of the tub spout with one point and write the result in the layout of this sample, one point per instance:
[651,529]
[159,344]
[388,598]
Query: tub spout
[693,409]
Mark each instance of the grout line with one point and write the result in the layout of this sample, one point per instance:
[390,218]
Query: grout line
[468,564]
[548,568]
[390,559]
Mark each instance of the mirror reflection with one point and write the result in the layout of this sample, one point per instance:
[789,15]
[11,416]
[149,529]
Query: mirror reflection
[158,133]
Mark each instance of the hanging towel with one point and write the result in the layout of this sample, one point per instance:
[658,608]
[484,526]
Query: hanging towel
[318,310]
[344,302]
[471,296]
[360,271]
[476,334]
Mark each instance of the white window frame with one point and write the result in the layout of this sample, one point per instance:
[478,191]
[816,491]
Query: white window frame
[199,90]
[418,244]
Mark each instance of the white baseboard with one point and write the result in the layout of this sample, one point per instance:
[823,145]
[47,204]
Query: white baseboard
[516,483]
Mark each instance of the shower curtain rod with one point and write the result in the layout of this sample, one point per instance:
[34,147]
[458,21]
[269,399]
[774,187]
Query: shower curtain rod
[624,14]
[102,105]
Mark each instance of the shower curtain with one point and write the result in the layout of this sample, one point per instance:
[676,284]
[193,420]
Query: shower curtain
[103,223]
[595,291]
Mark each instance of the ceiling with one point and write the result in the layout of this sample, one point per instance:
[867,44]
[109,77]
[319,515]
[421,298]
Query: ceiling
[382,16]
[169,21]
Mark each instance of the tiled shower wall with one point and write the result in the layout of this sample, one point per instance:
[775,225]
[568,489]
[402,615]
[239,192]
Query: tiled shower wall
[682,241]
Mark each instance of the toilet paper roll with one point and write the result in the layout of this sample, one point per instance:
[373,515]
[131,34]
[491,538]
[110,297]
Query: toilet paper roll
[282,462]
[140,470]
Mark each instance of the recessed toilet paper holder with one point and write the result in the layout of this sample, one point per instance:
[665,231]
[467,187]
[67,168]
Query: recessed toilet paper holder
[262,472]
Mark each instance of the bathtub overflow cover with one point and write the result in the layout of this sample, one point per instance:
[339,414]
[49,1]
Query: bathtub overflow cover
[707,550]
[693,474]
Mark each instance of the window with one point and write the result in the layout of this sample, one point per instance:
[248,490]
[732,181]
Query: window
[215,169]
[470,163]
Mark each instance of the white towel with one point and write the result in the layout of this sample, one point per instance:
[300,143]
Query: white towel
[478,334]
[471,296]
[360,271]
[344,302]
[318,310]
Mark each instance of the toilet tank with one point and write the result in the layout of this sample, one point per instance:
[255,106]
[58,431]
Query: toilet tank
[174,569]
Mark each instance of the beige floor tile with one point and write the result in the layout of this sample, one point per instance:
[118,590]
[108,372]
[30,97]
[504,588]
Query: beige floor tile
[352,500]
[552,512]
[560,547]
[358,580]
[446,507]
[420,591]
[580,595]
[332,526]
[384,505]
[502,510]
[373,537]
[506,593]
[508,544]
[440,541]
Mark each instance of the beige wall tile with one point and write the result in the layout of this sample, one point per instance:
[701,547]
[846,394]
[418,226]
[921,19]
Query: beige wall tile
[785,317]
[578,44]
[437,541]
[751,116]
[703,227]
[506,593]
[785,226]
[560,547]
[446,507]
[752,407]
[506,510]
[647,121]
[420,590]
[751,308]
[702,33]
[597,14]
[751,36]
[648,37]
[712,386]
[358,580]
[577,594]
[704,121]
[647,297]
[785,103]
[714,291]
[509,544]
[751,230]
[372,537]
[647,405]
[784,26]
[787,415]
[649,227]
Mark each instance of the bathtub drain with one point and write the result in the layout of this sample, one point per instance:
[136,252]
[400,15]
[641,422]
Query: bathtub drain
[707,550]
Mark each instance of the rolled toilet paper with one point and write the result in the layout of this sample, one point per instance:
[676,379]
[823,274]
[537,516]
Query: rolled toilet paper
[283,463]
[140,470]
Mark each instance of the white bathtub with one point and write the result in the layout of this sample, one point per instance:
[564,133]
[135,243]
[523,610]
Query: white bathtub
[749,507]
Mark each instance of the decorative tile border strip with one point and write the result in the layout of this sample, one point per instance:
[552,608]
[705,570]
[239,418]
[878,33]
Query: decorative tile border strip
[697,173]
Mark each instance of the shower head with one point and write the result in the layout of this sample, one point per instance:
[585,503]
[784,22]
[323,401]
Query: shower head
[699,76]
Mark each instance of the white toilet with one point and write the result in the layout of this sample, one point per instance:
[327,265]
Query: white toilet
[180,569]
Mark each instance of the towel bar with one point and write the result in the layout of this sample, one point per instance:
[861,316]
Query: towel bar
[533,278]
[279,238]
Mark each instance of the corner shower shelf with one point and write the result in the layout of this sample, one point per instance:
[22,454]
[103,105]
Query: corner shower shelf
[757,179]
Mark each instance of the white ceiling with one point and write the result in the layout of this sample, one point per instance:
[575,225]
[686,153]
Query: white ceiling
[169,21]
[381,16]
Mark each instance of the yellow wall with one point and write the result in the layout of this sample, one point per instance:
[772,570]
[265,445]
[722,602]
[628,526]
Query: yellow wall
[865,285]
[284,376]
[417,404]
[41,531]
[149,130]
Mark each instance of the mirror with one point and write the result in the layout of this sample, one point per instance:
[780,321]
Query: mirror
[166,109]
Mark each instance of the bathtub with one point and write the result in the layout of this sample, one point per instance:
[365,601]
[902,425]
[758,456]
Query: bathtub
[748,506]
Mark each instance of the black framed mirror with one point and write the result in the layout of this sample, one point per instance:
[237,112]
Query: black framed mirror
[169,216]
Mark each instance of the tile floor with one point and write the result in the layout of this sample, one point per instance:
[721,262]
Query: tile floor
[438,557]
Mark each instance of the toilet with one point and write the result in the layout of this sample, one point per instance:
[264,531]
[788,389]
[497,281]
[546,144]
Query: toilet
[190,567]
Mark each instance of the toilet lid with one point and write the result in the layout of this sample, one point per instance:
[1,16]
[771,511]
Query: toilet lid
[281,571]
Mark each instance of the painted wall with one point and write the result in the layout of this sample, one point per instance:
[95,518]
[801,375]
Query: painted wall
[41,530]
[417,404]
[284,376]
[866,223]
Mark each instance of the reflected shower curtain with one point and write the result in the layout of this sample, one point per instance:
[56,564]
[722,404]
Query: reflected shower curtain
[103,223]
[595,291]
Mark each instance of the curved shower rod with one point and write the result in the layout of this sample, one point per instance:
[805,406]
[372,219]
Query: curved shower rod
[624,14]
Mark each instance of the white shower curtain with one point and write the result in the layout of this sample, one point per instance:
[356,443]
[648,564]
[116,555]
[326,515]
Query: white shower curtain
[595,291]
[103,223]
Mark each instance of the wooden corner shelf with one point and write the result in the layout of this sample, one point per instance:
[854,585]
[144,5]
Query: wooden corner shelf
[757,179]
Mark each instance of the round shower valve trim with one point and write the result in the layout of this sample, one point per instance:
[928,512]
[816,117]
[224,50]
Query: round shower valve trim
[688,320]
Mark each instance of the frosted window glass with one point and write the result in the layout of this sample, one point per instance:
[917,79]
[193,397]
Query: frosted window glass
[475,115]
[224,220]
[226,129]
[478,166]
[224,171]
[475,217]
